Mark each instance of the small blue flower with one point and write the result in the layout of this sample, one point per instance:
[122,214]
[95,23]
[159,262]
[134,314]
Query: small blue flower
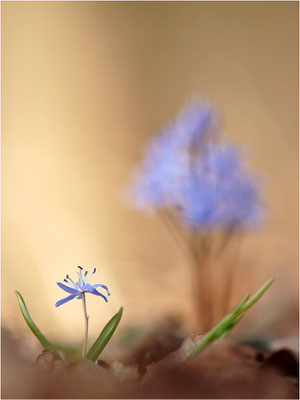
[82,286]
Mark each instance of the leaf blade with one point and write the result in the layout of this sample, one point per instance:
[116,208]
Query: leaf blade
[222,329]
[257,295]
[104,336]
[32,326]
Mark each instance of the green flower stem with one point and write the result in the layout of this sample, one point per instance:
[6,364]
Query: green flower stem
[86,325]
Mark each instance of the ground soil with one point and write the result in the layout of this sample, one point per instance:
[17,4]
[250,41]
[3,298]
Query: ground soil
[156,370]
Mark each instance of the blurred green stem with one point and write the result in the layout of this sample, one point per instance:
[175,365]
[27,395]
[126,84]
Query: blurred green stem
[86,325]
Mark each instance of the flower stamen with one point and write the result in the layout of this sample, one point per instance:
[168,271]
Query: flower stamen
[91,275]
[72,282]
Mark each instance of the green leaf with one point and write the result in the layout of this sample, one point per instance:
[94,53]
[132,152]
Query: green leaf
[104,337]
[257,295]
[222,329]
[44,342]
[241,303]
[233,323]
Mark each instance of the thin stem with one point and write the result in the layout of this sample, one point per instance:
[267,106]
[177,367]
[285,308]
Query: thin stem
[229,277]
[86,325]
[176,231]
[201,251]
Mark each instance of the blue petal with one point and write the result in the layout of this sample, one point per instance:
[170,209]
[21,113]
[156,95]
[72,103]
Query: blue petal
[92,290]
[67,288]
[103,286]
[64,300]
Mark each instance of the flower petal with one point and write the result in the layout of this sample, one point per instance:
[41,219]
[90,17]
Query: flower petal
[67,288]
[92,290]
[64,300]
[103,286]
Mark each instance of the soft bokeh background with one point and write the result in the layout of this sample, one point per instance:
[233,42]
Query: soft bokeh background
[84,87]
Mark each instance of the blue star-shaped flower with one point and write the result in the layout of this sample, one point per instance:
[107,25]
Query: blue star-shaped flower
[82,286]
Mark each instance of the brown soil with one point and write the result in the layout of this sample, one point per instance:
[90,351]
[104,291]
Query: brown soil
[223,370]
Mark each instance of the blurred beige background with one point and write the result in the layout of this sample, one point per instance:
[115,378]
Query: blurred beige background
[84,86]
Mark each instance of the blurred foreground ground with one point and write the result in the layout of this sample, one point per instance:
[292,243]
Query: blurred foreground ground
[222,370]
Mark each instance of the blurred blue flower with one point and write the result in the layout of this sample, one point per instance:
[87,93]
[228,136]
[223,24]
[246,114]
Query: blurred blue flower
[82,286]
[187,168]
[194,123]
[220,193]
[166,159]
[162,170]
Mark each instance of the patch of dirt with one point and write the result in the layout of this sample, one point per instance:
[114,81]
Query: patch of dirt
[222,370]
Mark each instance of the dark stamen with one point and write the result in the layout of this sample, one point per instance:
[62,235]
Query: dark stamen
[85,274]
[67,276]
[94,270]
[79,267]
[65,280]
